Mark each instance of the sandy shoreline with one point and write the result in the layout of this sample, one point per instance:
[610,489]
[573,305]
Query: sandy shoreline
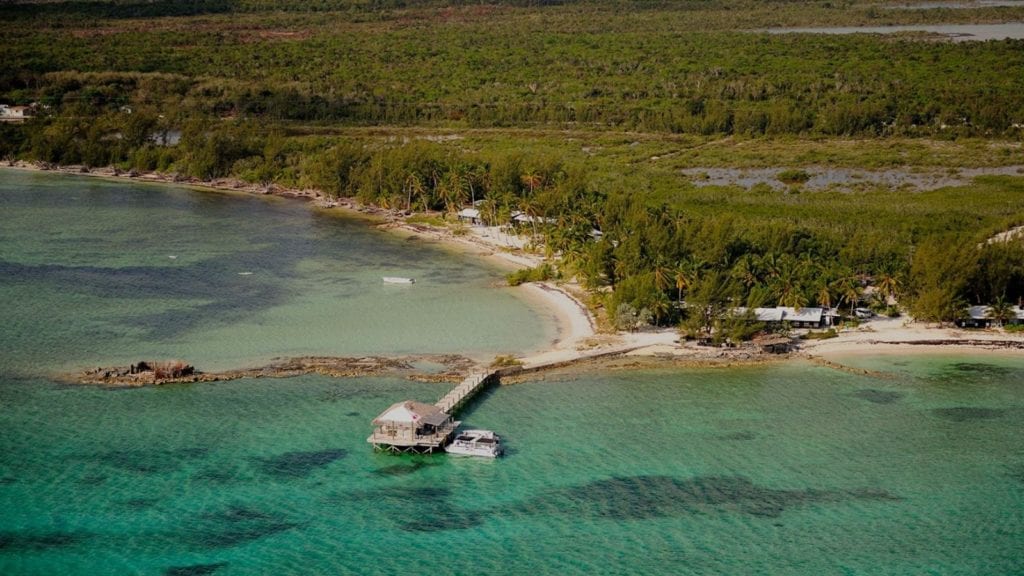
[576,336]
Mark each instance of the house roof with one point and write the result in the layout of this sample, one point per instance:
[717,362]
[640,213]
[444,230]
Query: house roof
[469,213]
[412,412]
[784,313]
[523,217]
[802,314]
[981,312]
[978,312]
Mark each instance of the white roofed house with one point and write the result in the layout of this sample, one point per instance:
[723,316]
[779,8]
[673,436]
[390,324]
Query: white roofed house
[804,317]
[15,114]
[981,317]
[412,426]
[470,215]
[796,317]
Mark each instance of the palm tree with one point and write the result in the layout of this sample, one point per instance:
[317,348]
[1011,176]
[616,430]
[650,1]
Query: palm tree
[849,290]
[661,273]
[745,271]
[824,296]
[1000,311]
[682,279]
[532,211]
[686,275]
[453,189]
[889,286]
[660,307]
[793,298]
[413,187]
[532,179]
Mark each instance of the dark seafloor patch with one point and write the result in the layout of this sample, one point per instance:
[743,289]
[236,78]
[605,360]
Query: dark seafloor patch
[644,497]
[647,497]
[195,569]
[233,526]
[403,469]
[34,541]
[878,396]
[981,368]
[149,461]
[299,464]
[739,436]
[968,413]
[141,503]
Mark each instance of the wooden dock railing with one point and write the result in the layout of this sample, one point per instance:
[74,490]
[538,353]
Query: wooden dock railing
[459,395]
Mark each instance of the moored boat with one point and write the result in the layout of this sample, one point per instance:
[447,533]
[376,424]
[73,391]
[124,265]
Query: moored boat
[476,443]
[398,280]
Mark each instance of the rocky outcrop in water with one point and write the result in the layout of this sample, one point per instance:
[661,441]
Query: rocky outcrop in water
[145,373]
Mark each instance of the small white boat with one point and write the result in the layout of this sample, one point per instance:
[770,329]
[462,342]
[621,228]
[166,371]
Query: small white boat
[398,280]
[476,443]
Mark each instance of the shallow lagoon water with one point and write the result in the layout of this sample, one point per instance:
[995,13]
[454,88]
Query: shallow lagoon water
[777,469]
[98,272]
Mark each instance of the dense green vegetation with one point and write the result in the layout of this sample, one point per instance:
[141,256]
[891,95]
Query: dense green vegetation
[682,68]
[582,113]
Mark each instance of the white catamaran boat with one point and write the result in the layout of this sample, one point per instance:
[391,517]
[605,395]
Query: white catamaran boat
[476,443]
[398,280]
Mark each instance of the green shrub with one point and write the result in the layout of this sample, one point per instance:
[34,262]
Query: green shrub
[538,274]
[830,333]
[505,361]
[793,177]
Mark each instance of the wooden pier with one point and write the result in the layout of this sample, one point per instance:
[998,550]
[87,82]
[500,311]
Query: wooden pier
[416,427]
[454,400]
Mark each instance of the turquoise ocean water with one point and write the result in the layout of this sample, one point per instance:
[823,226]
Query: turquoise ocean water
[778,469]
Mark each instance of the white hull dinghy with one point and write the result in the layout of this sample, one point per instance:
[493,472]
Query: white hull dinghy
[476,443]
[398,280]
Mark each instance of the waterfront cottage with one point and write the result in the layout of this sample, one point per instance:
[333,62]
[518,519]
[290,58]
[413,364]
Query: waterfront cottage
[981,317]
[15,113]
[470,216]
[412,426]
[796,317]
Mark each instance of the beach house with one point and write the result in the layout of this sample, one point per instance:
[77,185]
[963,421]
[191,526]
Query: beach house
[15,114]
[411,426]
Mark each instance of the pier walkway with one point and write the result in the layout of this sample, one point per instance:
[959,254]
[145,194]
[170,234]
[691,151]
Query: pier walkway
[417,427]
[466,389]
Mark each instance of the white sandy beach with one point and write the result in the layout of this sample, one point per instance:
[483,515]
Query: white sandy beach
[902,336]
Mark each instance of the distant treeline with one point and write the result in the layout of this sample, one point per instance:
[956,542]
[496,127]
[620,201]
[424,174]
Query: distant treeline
[639,71]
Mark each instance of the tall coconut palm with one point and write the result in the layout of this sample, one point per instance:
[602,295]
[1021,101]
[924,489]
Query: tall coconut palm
[453,190]
[661,307]
[745,271]
[531,209]
[661,276]
[824,296]
[849,290]
[413,187]
[889,287]
[532,180]
[687,274]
